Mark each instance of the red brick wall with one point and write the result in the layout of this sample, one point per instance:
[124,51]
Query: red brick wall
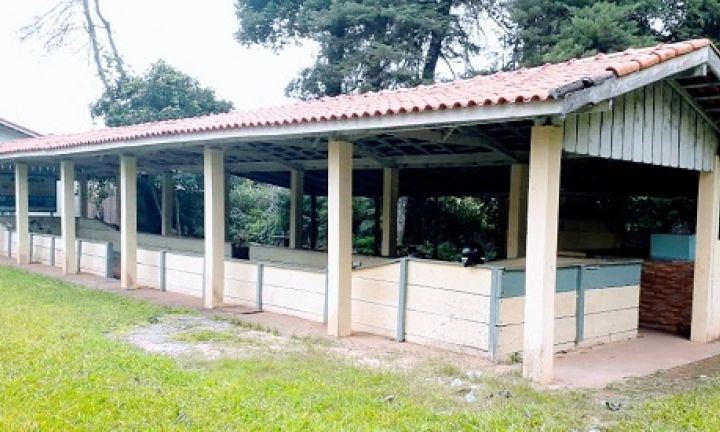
[666,294]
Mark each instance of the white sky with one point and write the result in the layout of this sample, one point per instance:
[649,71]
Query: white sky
[51,93]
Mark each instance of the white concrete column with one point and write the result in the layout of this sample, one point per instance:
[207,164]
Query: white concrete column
[128,222]
[22,223]
[83,198]
[541,260]
[517,211]
[297,181]
[339,238]
[67,216]
[167,187]
[214,181]
[706,291]
[391,188]
[118,204]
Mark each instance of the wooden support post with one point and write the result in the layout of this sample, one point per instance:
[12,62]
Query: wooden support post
[67,216]
[517,211]
[296,208]
[541,262]
[83,198]
[22,222]
[706,291]
[391,185]
[128,222]
[214,181]
[166,204]
[339,238]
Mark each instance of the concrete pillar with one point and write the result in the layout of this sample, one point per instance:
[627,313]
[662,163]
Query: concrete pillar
[297,181]
[214,169]
[226,190]
[706,290]
[517,211]
[67,216]
[339,238]
[128,222]
[313,222]
[118,204]
[22,223]
[391,185]
[541,260]
[83,198]
[166,204]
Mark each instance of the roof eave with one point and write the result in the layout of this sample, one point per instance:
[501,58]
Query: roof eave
[347,129]
[619,85]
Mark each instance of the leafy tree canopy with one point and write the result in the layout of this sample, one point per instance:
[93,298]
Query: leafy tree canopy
[368,45]
[162,93]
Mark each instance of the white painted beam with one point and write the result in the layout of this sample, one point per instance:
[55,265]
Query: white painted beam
[541,260]
[339,238]
[391,187]
[128,222]
[22,224]
[706,289]
[297,180]
[214,181]
[517,211]
[166,204]
[67,216]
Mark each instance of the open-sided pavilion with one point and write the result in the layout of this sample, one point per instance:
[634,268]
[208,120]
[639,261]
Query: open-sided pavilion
[644,120]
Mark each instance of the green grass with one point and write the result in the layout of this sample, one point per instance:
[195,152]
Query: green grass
[61,368]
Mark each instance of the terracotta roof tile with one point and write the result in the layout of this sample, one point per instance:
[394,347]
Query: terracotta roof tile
[521,86]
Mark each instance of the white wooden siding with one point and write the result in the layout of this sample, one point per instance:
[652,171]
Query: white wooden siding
[652,125]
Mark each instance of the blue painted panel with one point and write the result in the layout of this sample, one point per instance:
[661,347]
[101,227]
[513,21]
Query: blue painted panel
[672,247]
[595,277]
[614,275]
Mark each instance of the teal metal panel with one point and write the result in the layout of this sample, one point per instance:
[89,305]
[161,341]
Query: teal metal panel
[595,277]
[672,247]
[612,275]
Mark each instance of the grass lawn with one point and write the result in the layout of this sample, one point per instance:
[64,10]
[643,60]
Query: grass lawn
[62,367]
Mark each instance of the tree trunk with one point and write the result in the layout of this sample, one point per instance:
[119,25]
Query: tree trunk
[94,45]
[401,219]
[437,38]
[119,65]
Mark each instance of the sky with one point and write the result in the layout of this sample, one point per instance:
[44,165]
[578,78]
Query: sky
[51,92]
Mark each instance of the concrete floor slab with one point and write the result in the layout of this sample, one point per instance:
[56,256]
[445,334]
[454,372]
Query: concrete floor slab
[651,352]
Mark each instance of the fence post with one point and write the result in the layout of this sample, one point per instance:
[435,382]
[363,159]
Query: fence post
[402,300]
[52,251]
[9,244]
[580,305]
[78,254]
[109,260]
[259,286]
[163,270]
[494,313]
[326,299]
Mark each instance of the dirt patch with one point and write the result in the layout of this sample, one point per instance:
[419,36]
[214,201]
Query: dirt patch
[193,336]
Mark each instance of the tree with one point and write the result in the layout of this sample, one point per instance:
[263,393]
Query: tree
[369,45]
[553,30]
[600,28]
[163,93]
[60,25]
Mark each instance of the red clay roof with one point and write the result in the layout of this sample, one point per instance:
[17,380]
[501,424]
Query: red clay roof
[520,86]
